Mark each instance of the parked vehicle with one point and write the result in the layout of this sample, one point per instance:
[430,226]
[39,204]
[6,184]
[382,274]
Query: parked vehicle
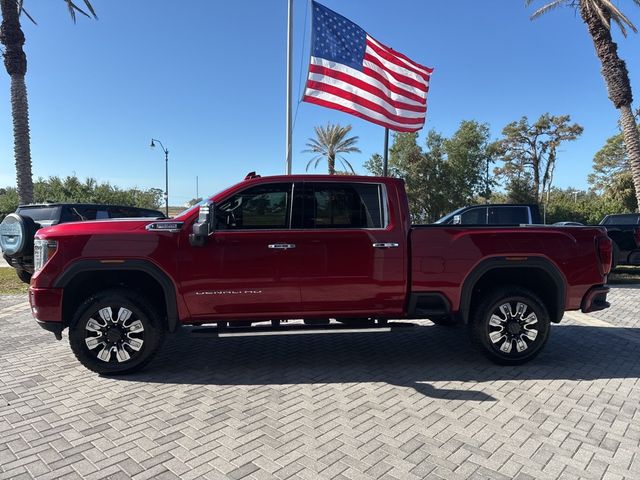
[27,219]
[493,214]
[624,230]
[569,224]
[312,247]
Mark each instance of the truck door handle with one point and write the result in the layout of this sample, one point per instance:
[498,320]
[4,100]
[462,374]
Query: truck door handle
[386,245]
[282,246]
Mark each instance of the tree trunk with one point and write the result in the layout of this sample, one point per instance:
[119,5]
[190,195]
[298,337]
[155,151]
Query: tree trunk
[331,160]
[632,146]
[21,140]
[536,179]
[614,71]
[15,61]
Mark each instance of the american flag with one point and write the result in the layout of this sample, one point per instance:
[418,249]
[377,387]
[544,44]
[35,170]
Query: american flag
[352,72]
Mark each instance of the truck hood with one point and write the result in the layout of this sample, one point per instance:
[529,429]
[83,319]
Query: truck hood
[92,227]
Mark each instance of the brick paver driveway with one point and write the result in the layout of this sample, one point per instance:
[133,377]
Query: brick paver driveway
[404,406]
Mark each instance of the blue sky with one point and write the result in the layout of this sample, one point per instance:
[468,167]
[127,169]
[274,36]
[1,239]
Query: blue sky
[207,78]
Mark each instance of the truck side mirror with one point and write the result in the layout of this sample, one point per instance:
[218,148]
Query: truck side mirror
[457,220]
[204,226]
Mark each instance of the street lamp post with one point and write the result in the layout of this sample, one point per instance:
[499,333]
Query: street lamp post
[166,174]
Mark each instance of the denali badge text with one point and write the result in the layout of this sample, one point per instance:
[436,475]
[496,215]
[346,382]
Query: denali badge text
[231,292]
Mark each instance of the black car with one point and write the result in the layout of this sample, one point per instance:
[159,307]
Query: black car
[493,214]
[624,230]
[17,229]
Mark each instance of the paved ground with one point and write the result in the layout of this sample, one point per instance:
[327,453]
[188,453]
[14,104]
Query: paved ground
[394,406]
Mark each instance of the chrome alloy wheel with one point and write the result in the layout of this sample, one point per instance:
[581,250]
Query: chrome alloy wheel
[513,324]
[114,337]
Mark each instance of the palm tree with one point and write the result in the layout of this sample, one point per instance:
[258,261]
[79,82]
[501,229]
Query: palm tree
[329,143]
[15,61]
[597,15]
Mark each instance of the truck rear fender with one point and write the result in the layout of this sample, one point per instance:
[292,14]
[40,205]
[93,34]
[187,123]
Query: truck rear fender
[534,273]
[86,277]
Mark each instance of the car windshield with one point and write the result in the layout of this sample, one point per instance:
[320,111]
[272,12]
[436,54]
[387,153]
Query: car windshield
[448,218]
[622,219]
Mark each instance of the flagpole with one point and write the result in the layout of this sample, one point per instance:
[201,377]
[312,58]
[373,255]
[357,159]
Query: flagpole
[289,85]
[385,158]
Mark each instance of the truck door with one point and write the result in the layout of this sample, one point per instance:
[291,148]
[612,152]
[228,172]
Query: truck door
[249,265]
[353,255]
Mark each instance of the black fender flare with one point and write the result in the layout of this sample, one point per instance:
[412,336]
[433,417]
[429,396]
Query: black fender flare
[532,262]
[155,272]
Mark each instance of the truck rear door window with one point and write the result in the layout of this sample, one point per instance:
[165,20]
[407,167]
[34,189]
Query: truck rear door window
[260,207]
[343,205]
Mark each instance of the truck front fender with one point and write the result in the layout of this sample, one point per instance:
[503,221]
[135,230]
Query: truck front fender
[134,265]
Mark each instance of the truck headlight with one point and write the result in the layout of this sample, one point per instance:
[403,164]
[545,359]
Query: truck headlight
[42,252]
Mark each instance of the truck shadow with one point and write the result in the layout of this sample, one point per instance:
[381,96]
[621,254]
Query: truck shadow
[414,359]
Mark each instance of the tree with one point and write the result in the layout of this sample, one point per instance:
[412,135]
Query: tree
[612,173]
[469,153]
[15,62]
[448,174]
[597,15]
[330,142]
[529,152]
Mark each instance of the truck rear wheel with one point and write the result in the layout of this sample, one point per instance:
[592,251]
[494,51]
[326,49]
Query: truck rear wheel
[511,326]
[115,332]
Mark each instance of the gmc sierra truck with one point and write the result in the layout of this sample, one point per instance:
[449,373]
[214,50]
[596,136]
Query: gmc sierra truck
[336,253]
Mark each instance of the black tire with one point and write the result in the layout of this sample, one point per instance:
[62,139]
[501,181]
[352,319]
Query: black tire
[24,275]
[444,320]
[513,337]
[128,344]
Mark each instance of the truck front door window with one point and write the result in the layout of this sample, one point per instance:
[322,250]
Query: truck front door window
[261,207]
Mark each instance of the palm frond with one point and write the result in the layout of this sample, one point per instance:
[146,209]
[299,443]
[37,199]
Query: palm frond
[330,141]
[618,17]
[73,8]
[545,8]
[26,14]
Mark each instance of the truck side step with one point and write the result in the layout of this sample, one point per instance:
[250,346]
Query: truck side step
[298,329]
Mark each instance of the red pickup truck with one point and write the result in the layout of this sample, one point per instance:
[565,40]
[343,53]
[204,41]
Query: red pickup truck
[337,252]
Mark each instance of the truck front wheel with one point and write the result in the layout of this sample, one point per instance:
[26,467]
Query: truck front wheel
[115,332]
[511,326]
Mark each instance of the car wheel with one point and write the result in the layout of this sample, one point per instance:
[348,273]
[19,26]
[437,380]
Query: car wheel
[511,326]
[115,332]
[24,275]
